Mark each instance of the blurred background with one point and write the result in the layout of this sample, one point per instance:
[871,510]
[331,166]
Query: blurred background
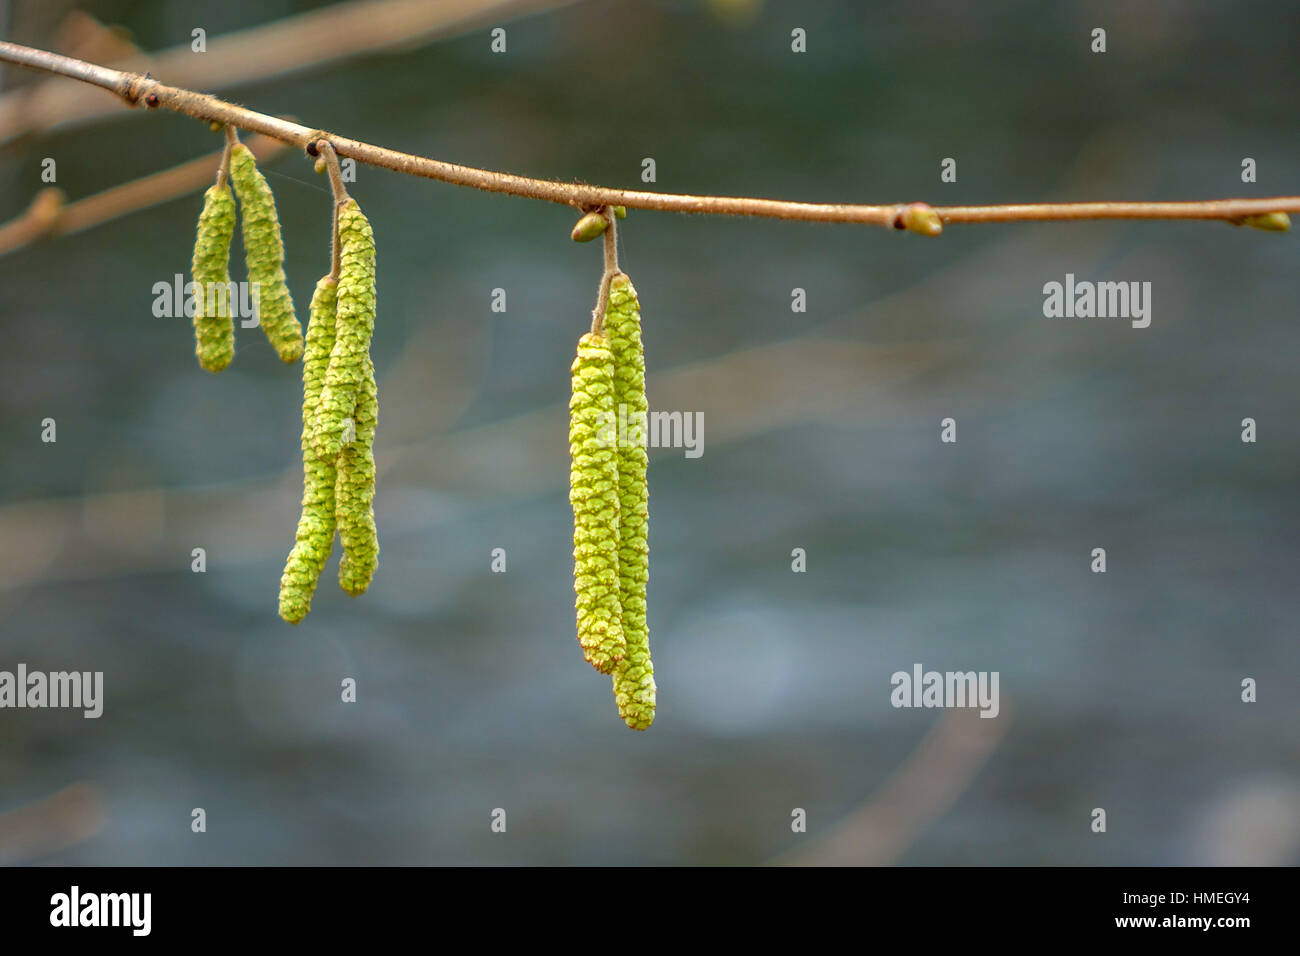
[1119,690]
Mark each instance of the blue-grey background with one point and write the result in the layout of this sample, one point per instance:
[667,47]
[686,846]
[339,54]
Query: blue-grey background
[1119,691]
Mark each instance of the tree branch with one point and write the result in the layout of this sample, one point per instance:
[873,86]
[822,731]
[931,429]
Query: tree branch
[136,88]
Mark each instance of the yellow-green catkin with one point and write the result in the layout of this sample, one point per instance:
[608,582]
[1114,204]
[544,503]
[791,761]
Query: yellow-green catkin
[356,324]
[634,676]
[214,326]
[264,255]
[593,492]
[354,492]
[315,536]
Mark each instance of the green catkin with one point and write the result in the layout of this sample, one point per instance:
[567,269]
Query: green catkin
[315,535]
[634,681]
[214,326]
[264,255]
[355,492]
[593,493]
[356,324]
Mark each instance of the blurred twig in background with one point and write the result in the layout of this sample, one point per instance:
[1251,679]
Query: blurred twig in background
[936,773]
[61,820]
[245,57]
[49,215]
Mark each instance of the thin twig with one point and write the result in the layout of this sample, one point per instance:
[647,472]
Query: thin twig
[611,242]
[326,149]
[945,762]
[137,88]
[611,270]
[60,820]
[232,139]
[340,192]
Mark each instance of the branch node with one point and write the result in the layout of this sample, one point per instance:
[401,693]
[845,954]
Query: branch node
[129,87]
[311,145]
[325,149]
[918,217]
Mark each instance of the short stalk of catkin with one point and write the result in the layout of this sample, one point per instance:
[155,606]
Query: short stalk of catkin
[315,535]
[264,255]
[214,326]
[593,493]
[356,325]
[355,492]
[634,682]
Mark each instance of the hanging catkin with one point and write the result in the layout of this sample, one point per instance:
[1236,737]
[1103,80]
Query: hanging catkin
[355,491]
[315,536]
[634,682]
[264,255]
[214,326]
[593,492]
[356,324]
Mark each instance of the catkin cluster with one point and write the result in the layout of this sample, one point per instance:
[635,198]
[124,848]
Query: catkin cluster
[214,327]
[340,413]
[610,499]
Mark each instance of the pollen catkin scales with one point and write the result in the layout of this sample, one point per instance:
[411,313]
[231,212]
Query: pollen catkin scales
[264,255]
[355,492]
[634,683]
[593,493]
[315,535]
[214,327]
[356,324]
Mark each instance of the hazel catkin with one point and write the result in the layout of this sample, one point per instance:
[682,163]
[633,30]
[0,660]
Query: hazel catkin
[315,535]
[264,255]
[214,326]
[356,324]
[354,494]
[634,682]
[593,493]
